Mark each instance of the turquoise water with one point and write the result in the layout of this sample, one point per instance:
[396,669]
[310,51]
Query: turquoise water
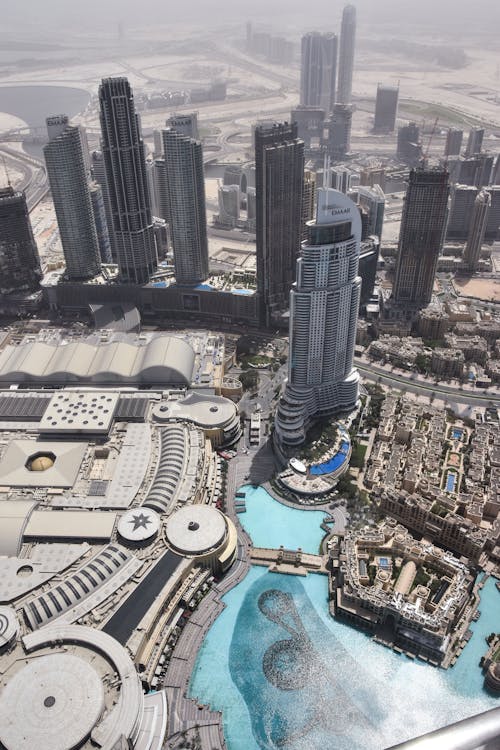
[271,523]
[287,675]
[451,480]
[334,463]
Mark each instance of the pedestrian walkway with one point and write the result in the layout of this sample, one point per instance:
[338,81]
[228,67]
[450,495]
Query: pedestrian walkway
[295,562]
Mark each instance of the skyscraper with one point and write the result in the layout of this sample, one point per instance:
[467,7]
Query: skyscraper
[463,198]
[310,125]
[185,191]
[371,203]
[123,152]
[495,175]
[493,224]
[346,54]
[324,305]
[68,179]
[368,262]
[386,109]
[101,224]
[475,170]
[308,201]
[318,72]
[421,236]
[454,138]
[339,132]
[19,260]
[185,123]
[99,174]
[279,175]
[474,141]
[477,230]
[409,148]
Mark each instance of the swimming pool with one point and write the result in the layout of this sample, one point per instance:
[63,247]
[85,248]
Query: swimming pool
[271,523]
[287,675]
[451,481]
[457,434]
[334,463]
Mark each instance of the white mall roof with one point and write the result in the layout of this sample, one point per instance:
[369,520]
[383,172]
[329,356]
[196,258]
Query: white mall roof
[165,360]
[75,525]
[80,412]
[13,517]
[52,703]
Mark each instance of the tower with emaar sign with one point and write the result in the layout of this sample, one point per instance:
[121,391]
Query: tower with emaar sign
[324,305]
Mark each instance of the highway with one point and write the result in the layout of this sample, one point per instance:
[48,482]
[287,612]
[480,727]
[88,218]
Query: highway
[443,392]
[34,182]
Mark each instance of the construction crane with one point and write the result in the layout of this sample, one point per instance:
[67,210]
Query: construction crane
[6,171]
[433,132]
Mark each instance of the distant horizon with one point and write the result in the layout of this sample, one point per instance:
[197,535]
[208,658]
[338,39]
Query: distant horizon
[58,16]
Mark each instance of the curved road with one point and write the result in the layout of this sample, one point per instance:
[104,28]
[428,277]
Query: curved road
[443,392]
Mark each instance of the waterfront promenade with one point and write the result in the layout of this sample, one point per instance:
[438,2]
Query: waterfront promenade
[186,718]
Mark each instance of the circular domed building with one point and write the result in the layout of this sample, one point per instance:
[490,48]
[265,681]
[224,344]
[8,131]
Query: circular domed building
[203,532]
[70,686]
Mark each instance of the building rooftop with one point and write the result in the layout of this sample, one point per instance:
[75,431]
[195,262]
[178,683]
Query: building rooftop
[196,529]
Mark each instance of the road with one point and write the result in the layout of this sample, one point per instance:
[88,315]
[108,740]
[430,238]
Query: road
[443,392]
[35,183]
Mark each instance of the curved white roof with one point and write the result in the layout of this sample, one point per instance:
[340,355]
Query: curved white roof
[205,410]
[164,359]
[196,529]
[52,703]
[14,515]
[9,626]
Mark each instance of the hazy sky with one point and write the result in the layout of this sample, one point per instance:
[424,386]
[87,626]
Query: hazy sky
[56,13]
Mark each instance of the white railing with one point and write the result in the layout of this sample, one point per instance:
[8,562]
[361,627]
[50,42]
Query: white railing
[480,732]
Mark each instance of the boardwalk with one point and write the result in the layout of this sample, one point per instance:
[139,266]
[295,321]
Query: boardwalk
[186,718]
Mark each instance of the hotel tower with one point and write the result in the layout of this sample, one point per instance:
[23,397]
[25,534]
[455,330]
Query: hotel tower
[324,305]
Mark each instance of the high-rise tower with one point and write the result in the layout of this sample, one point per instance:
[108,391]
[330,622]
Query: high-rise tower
[101,224]
[346,54]
[386,109]
[123,152]
[99,174]
[423,225]
[324,305]
[185,123]
[19,260]
[318,72]
[409,148]
[339,132]
[454,138]
[477,230]
[68,179]
[474,141]
[185,191]
[279,175]
[308,201]
[461,209]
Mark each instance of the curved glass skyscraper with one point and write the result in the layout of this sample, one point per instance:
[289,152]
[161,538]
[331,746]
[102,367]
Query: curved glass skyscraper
[324,305]
[69,186]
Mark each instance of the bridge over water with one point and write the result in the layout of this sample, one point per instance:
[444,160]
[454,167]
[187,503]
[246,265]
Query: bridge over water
[295,562]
